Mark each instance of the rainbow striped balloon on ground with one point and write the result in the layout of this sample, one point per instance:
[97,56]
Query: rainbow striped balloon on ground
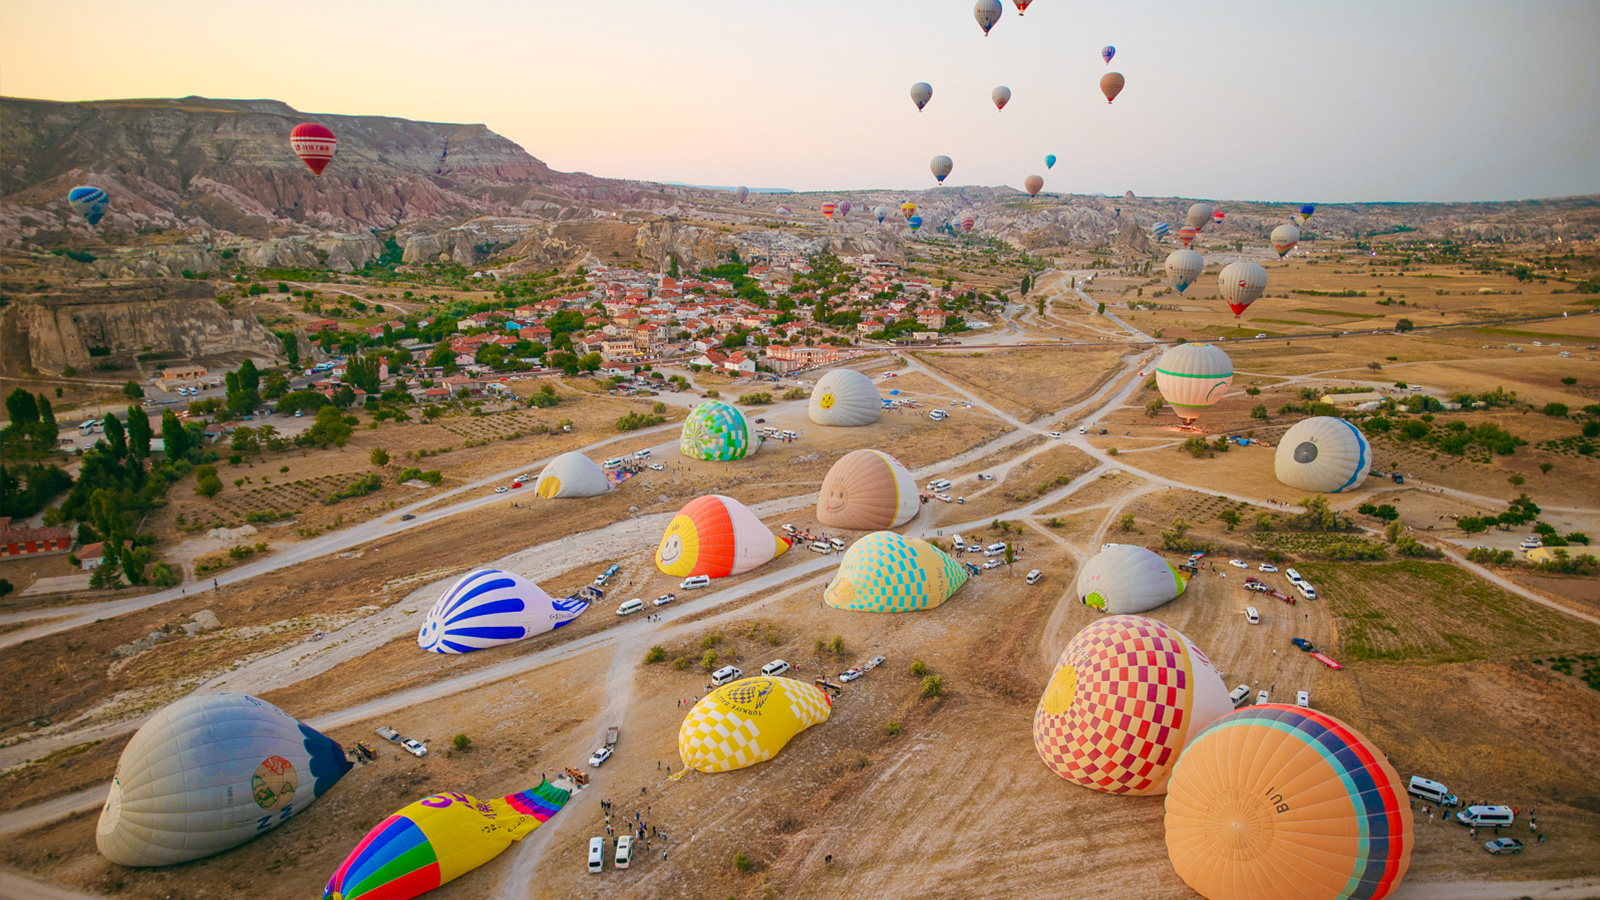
[748,721]
[1281,801]
[716,431]
[488,608]
[885,572]
[1126,696]
[437,840]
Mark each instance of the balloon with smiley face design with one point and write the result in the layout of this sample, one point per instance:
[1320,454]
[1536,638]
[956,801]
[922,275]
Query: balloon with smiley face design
[716,536]
[845,398]
[867,490]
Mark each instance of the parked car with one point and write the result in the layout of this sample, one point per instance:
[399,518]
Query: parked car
[993,564]
[1531,542]
[656,467]
[500,489]
[664,599]
[414,747]
[1503,846]
[600,756]
[1082,429]
[1303,644]
[849,675]
[1054,434]
[1267,567]
[406,517]
[1238,564]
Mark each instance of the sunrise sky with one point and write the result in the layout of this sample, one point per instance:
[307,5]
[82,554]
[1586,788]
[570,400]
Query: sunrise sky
[1315,102]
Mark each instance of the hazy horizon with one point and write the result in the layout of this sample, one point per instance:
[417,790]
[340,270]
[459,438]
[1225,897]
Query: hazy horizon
[1239,100]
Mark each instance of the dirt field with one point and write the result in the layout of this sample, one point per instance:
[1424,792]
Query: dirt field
[1028,383]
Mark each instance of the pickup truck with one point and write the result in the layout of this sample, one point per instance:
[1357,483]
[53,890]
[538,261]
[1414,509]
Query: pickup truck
[414,747]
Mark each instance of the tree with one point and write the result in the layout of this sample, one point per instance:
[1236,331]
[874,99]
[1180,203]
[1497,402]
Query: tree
[107,576]
[1404,325]
[207,482]
[362,372]
[330,428]
[174,436]
[116,438]
[1556,410]
[22,408]
[291,347]
[132,390]
[379,457]
[1259,411]
[1230,517]
[139,433]
[1126,523]
[5,587]
[1153,408]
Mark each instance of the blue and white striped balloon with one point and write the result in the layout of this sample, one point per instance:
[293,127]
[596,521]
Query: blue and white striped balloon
[90,202]
[489,607]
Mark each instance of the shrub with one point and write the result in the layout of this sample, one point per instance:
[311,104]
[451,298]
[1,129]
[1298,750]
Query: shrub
[709,661]
[1558,410]
[682,663]
[932,685]
[711,640]
[918,668]
[743,862]
[892,729]
[636,420]
[461,742]
[655,654]
[837,645]
[756,399]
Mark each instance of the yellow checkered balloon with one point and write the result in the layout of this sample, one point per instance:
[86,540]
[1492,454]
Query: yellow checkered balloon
[748,721]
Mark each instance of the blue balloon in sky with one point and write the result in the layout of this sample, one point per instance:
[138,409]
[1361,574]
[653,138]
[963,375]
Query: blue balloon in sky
[90,202]
[1050,161]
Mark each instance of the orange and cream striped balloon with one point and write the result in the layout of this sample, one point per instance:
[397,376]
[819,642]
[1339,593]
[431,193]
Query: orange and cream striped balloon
[1126,696]
[1282,801]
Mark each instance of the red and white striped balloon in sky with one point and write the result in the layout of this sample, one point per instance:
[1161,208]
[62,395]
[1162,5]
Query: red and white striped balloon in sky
[314,144]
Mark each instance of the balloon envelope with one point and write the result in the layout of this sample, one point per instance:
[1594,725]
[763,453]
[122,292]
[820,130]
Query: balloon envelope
[748,721]
[571,475]
[1033,184]
[1022,5]
[885,572]
[1184,268]
[741,192]
[1199,214]
[1307,210]
[1187,234]
[1127,578]
[314,144]
[1001,96]
[921,93]
[1284,239]
[845,398]
[1127,694]
[1218,216]
[208,773]
[882,212]
[1050,161]
[1241,284]
[1160,229]
[1323,453]
[967,224]
[487,608]
[716,536]
[1193,377]
[987,12]
[783,210]
[437,840]
[717,431]
[907,208]
[89,202]
[1107,52]
[1111,84]
[867,490]
[941,165]
[1283,801]
[828,210]
[915,222]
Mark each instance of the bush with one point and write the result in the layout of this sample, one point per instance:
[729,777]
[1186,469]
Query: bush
[743,862]
[794,394]
[461,742]
[892,729]
[682,663]
[756,399]
[837,645]
[1558,410]
[709,661]
[932,685]
[636,420]
[655,654]
[918,668]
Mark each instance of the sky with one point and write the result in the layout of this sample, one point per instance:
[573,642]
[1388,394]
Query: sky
[1344,101]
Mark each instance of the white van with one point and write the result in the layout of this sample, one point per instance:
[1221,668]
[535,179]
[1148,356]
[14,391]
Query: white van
[1485,816]
[695,581]
[642,454]
[612,463]
[959,543]
[1263,696]
[1252,616]
[1239,695]
[775,668]
[1302,698]
[631,607]
[1306,590]
[838,544]
[1035,576]
[624,852]
[1294,577]
[995,549]
[725,674]
[1431,791]
[821,547]
[597,855]
[939,484]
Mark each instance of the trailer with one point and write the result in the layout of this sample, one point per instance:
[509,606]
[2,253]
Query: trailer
[388,734]
[611,736]
[1325,659]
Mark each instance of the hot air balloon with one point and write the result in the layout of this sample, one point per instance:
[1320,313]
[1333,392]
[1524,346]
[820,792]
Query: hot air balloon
[741,192]
[89,202]
[748,721]
[1283,801]
[487,608]
[1307,211]
[1127,578]
[1187,234]
[967,224]
[921,93]
[1050,161]
[987,12]
[827,210]
[1324,454]
[314,144]
[716,431]
[1111,84]
[1241,284]
[571,475]
[915,222]
[867,490]
[844,209]
[1117,211]
[882,212]
[1199,214]
[716,536]
[1217,217]
[884,572]
[845,398]
[1184,268]
[1033,184]
[908,209]
[1284,239]
[1127,694]
[208,773]
[1193,377]
[1001,96]
[783,210]
[1022,5]
[1159,230]
[438,839]
[1107,52]
[941,165]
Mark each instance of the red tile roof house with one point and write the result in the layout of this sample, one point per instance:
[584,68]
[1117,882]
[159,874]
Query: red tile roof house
[26,541]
